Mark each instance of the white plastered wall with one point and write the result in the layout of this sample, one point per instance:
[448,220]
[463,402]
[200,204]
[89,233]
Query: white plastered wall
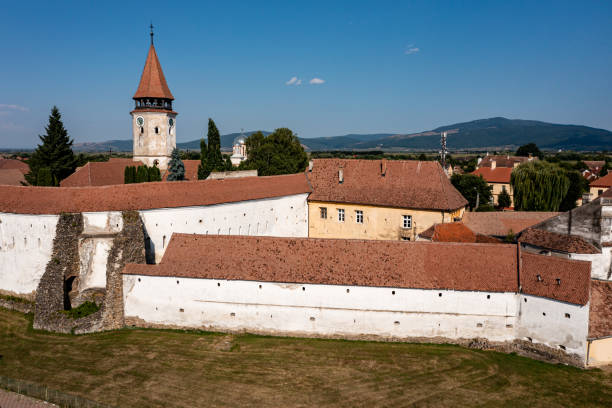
[26,245]
[600,263]
[285,216]
[327,310]
[557,324]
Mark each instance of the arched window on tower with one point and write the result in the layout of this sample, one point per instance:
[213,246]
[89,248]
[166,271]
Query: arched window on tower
[156,130]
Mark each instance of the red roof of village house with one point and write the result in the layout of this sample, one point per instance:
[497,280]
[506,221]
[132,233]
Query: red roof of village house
[600,310]
[557,242]
[152,82]
[496,175]
[112,172]
[499,223]
[7,164]
[504,161]
[388,183]
[605,181]
[557,278]
[143,196]
[12,177]
[455,232]
[339,262]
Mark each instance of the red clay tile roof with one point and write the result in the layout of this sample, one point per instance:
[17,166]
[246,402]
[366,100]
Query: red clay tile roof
[503,161]
[405,184]
[557,242]
[595,165]
[496,175]
[152,82]
[99,173]
[600,311]
[191,170]
[339,262]
[6,164]
[500,223]
[455,232]
[562,279]
[55,200]
[12,177]
[605,181]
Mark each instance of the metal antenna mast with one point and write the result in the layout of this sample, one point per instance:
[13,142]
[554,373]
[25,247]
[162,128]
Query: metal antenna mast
[443,151]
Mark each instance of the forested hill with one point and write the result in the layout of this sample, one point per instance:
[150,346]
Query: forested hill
[492,134]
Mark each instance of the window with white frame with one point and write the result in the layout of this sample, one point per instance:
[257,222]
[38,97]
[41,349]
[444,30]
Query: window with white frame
[340,214]
[359,216]
[323,212]
[406,221]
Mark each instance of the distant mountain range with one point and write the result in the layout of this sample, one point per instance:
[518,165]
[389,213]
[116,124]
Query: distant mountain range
[493,134]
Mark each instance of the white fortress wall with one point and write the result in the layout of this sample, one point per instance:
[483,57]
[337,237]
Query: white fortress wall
[601,264]
[285,216]
[26,246]
[557,324]
[95,244]
[328,310]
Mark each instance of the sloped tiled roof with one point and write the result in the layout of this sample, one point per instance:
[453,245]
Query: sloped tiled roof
[99,173]
[152,82]
[12,177]
[455,232]
[557,242]
[605,181]
[387,183]
[600,310]
[499,223]
[557,278]
[7,164]
[496,175]
[339,262]
[143,196]
[503,161]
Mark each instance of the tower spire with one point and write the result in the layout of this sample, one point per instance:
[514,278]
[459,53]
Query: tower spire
[151,27]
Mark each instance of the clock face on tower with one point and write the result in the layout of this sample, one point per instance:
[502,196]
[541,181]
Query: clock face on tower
[170,122]
[140,121]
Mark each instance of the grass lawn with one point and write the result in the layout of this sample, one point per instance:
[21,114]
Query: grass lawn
[158,368]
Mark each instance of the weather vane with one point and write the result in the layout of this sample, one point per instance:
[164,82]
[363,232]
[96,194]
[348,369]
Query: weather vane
[151,26]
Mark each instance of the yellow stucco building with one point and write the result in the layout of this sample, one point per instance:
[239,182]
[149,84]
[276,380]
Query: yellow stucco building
[379,199]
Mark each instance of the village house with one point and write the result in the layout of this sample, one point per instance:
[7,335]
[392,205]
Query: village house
[600,185]
[496,171]
[379,199]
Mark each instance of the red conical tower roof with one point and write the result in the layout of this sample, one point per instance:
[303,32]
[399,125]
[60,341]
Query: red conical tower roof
[153,83]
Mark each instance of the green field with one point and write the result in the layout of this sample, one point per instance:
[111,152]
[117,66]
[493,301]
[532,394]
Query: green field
[158,368]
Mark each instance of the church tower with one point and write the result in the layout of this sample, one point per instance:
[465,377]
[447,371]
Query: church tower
[153,120]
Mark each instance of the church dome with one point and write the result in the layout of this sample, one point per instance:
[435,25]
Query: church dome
[240,140]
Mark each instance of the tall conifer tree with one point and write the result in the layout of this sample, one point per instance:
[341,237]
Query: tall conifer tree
[55,153]
[214,159]
[176,168]
[202,170]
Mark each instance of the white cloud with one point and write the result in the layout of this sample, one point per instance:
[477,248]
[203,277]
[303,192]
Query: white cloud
[317,81]
[4,106]
[294,81]
[411,49]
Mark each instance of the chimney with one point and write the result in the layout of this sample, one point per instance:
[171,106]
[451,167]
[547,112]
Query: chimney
[383,167]
[493,164]
[340,175]
[310,164]
[478,161]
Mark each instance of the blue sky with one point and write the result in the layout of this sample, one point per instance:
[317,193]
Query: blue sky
[398,66]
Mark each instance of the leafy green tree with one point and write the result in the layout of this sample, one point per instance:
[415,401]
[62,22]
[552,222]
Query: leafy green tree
[142,174]
[55,153]
[214,159]
[577,186]
[45,178]
[604,169]
[176,168]
[529,148]
[503,199]
[202,169]
[580,165]
[538,186]
[472,186]
[278,153]
[228,166]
